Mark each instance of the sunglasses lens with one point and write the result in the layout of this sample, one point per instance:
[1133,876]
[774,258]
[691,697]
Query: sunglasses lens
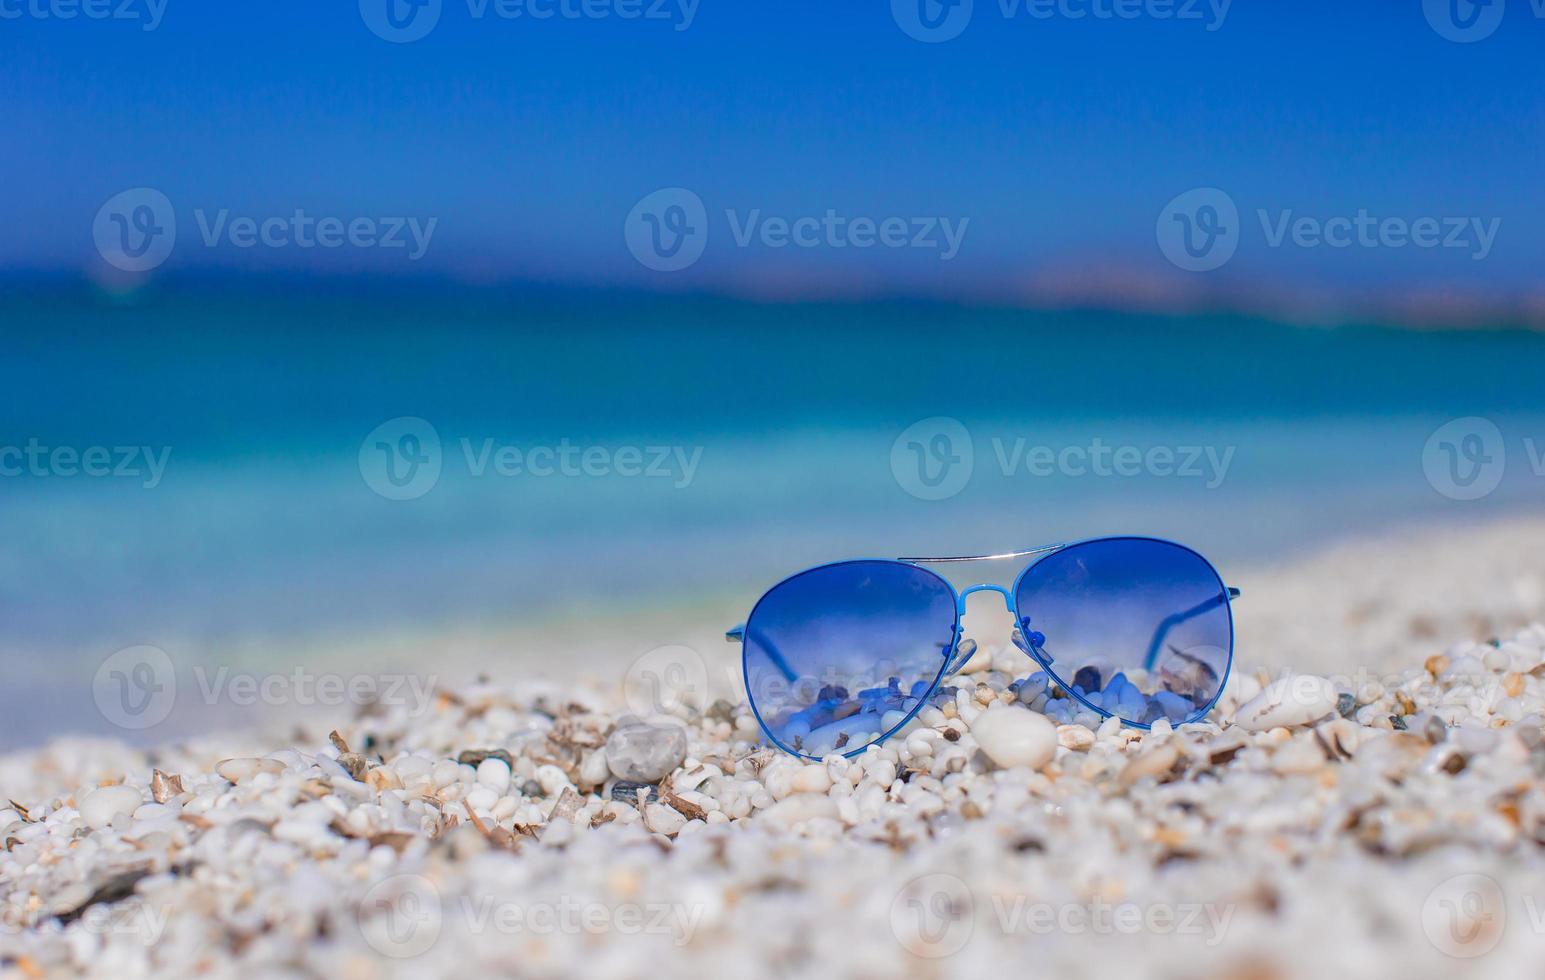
[838,657]
[1136,627]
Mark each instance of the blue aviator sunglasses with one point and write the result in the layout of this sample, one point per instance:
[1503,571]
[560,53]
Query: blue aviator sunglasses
[839,657]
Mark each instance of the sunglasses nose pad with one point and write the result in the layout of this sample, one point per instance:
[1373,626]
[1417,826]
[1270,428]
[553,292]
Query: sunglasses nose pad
[963,652]
[1031,641]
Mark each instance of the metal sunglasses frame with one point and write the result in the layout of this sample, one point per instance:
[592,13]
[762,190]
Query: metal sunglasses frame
[958,653]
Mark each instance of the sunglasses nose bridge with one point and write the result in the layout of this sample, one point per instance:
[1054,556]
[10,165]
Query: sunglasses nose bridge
[965,648]
[1008,598]
[1029,642]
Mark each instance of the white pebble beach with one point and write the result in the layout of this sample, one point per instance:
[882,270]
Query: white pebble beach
[1366,800]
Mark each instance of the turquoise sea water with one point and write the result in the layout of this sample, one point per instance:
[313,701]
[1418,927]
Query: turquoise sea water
[779,435]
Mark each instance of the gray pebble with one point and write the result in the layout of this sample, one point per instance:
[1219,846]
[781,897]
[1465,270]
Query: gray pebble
[641,752]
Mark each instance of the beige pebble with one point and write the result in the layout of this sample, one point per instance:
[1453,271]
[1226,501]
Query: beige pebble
[1302,754]
[1075,737]
[1155,762]
[381,779]
[241,770]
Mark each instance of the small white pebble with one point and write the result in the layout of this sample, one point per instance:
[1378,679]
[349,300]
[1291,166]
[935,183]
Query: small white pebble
[811,779]
[494,774]
[1013,737]
[663,819]
[101,805]
[481,798]
[445,773]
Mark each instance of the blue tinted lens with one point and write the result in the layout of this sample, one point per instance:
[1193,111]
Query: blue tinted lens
[838,657]
[1138,628]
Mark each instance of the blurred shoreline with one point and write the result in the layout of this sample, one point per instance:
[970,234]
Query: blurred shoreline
[1087,287]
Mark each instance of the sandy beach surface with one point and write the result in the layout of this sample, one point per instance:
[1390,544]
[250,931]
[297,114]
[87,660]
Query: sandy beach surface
[1366,800]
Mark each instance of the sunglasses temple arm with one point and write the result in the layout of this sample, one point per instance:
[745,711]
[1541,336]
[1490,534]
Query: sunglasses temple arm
[1170,622]
[737,634]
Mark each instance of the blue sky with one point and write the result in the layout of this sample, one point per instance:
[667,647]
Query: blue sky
[1054,141]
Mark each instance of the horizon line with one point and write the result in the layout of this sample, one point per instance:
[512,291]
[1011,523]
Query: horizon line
[1096,292]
